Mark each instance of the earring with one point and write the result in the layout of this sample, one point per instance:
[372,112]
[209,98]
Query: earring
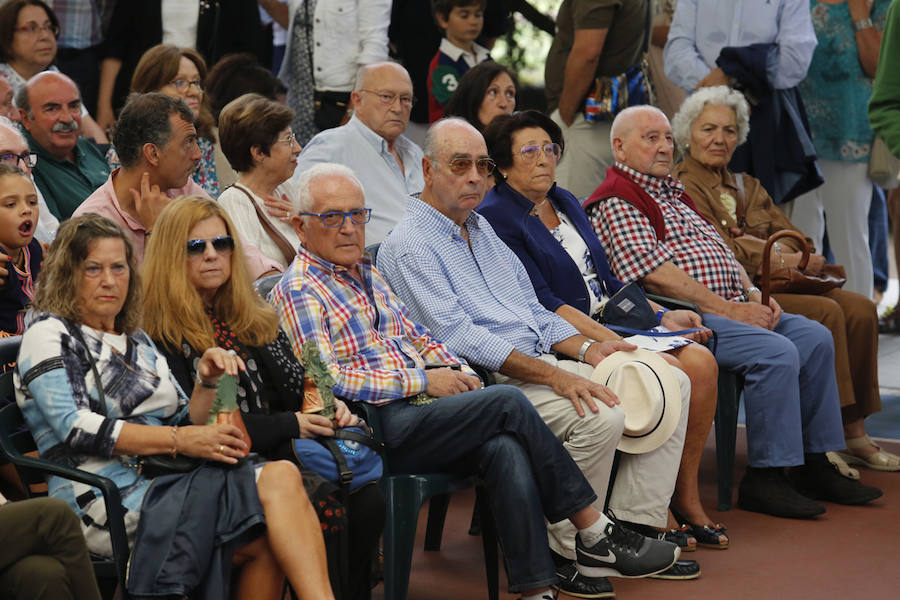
[503,175]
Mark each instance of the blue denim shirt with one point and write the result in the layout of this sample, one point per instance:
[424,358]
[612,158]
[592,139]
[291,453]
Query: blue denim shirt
[475,296]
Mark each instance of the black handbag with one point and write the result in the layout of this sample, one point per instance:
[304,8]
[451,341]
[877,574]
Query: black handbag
[629,312]
[151,465]
[629,308]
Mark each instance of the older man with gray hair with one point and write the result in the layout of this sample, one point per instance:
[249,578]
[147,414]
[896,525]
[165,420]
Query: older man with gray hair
[70,167]
[463,282]
[436,415]
[372,143]
[653,234]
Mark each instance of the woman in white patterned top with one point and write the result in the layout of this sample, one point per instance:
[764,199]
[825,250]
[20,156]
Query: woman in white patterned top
[90,301]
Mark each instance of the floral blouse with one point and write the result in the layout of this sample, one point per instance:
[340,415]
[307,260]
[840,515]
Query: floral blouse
[836,91]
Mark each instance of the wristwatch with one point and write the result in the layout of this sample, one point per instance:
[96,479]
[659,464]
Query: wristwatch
[748,291]
[584,349]
[863,24]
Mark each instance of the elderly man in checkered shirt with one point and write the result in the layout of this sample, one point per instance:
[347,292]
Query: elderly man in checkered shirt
[653,234]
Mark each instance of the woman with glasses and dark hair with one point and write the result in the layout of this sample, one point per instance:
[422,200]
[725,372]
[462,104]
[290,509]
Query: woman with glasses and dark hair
[28,33]
[210,302]
[180,73]
[548,230]
[485,91]
[256,138]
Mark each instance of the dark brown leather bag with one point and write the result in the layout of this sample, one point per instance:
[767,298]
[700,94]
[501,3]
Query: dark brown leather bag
[794,280]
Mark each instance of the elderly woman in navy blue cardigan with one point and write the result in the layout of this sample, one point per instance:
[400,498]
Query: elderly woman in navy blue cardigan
[547,229]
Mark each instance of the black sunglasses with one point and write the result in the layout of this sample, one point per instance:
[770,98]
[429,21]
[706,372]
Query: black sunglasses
[223,243]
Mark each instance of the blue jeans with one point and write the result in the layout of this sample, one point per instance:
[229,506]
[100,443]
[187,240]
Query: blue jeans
[790,391]
[878,238]
[497,434]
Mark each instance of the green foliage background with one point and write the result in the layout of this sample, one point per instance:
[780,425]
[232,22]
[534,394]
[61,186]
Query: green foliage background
[525,48]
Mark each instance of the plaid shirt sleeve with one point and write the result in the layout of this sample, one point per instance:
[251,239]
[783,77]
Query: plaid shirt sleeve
[630,241]
[304,317]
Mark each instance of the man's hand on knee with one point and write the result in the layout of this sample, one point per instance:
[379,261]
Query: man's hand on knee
[582,392]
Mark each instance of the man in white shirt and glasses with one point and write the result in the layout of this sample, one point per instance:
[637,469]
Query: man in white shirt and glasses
[372,144]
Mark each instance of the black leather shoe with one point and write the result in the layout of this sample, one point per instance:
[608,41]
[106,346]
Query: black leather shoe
[819,479]
[572,583]
[682,570]
[768,491]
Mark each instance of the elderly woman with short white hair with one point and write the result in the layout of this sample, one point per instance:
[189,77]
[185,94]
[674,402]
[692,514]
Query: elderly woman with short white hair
[708,127]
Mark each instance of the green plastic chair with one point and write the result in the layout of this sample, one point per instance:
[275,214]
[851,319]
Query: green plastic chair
[16,441]
[404,496]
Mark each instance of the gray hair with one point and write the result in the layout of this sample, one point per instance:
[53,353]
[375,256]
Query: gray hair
[363,71]
[23,99]
[12,127]
[433,139]
[616,130]
[719,95]
[303,201]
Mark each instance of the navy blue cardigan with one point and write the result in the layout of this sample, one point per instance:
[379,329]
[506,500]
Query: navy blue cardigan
[556,278]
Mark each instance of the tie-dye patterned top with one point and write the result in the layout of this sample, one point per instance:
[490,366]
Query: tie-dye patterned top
[57,393]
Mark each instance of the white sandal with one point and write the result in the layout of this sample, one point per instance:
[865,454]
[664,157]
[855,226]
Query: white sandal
[843,468]
[880,461]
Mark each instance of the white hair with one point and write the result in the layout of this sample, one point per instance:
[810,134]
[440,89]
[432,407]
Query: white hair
[719,95]
[304,200]
[625,116]
[13,128]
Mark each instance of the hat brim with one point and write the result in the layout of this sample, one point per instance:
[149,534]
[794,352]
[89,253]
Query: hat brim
[671,398]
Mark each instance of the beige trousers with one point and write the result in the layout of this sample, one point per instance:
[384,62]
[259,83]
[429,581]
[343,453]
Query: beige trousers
[644,482]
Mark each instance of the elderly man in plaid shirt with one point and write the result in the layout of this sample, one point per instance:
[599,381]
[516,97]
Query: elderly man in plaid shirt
[652,233]
[439,419]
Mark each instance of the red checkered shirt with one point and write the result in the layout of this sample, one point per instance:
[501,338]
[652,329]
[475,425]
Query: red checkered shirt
[691,243]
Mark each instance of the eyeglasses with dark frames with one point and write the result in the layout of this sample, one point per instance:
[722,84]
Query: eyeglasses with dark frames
[32,28]
[532,152]
[388,98]
[182,85]
[335,219]
[29,159]
[221,244]
[462,165]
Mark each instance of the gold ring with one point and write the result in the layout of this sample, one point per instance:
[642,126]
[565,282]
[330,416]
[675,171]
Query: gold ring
[221,449]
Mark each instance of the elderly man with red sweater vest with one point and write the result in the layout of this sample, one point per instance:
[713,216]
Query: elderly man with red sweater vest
[653,233]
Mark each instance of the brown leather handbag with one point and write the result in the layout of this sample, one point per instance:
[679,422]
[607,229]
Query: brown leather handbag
[795,280]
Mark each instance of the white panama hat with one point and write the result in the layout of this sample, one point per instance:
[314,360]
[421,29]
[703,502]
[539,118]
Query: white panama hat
[650,396]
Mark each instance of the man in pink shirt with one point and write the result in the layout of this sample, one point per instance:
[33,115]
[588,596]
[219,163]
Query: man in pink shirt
[157,146]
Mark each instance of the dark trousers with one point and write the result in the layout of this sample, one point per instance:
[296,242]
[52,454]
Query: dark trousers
[496,434]
[43,554]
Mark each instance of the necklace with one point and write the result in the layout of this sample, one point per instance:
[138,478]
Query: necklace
[534,210]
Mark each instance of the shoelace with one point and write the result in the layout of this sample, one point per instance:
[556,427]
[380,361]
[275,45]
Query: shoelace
[623,538]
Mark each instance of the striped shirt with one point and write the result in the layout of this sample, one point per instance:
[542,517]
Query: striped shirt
[475,295]
[374,350]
